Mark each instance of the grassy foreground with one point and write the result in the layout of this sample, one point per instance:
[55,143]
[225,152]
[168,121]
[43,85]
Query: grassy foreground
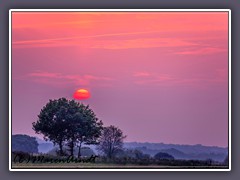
[44,161]
[104,166]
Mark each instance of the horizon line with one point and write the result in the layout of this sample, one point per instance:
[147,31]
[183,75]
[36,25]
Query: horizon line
[181,144]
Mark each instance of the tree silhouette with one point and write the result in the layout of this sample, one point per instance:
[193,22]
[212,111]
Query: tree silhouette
[67,120]
[52,122]
[111,141]
[83,126]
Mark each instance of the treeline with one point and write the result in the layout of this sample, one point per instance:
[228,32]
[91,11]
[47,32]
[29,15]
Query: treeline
[69,124]
[133,158]
[120,157]
[24,143]
[161,162]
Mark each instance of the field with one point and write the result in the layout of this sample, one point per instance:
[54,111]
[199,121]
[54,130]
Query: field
[37,161]
[103,166]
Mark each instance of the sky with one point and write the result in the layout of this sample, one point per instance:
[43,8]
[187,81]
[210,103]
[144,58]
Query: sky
[158,76]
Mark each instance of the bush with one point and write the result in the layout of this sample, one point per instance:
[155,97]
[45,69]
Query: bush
[161,156]
[85,151]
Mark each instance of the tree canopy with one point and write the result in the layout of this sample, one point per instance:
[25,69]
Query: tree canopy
[64,120]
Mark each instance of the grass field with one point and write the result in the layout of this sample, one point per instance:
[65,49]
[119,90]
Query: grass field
[25,161]
[103,166]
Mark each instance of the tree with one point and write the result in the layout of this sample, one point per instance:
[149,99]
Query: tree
[83,126]
[24,143]
[52,122]
[162,155]
[111,141]
[67,120]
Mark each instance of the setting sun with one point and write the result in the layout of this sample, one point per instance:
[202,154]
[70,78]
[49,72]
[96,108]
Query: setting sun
[81,94]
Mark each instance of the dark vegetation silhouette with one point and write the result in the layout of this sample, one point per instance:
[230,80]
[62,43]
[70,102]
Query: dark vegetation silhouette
[24,143]
[72,126]
[226,161]
[85,151]
[162,155]
[68,121]
[111,141]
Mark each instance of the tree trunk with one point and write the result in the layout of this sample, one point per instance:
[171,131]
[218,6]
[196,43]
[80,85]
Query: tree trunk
[110,151]
[61,148]
[79,150]
[72,147]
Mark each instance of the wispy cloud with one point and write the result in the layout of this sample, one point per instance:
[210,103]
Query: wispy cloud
[122,40]
[143,43]
[148,78]
[58,78]
[127,30]
[202,51]
[79,37]
[141,74]
[173,80]
[60,24]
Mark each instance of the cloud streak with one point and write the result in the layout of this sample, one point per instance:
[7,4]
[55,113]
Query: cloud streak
[79,37]
[58,78]
[117,43]
[203,51]
[141,74]
[171,80]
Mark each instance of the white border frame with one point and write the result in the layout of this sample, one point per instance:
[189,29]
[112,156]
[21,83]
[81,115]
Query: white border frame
[120,10]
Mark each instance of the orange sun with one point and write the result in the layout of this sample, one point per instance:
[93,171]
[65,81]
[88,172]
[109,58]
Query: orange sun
[81,94]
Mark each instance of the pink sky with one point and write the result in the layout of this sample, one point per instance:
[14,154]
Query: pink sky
[158,76]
